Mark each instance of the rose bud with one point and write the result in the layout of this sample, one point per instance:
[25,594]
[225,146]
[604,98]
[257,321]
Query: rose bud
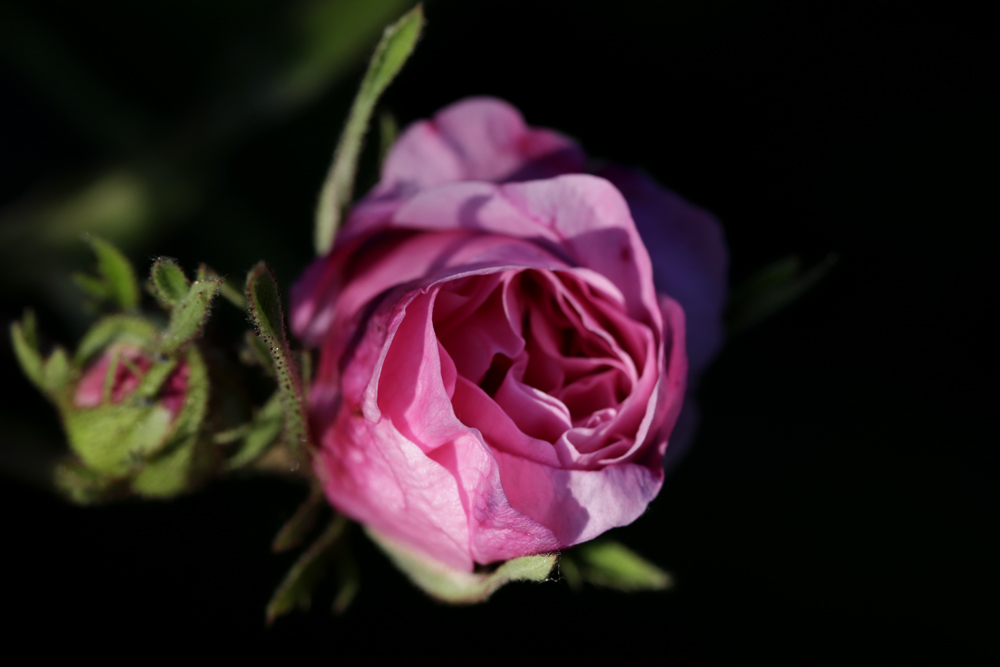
[131,364]
[504,340]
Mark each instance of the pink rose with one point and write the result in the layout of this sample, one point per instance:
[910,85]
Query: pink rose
[498,373]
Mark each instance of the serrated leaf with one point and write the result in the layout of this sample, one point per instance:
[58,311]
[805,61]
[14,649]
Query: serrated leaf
[393,50]
[169,282]
[25,343]
[264,304]
[262,432]
[117,273]
[772,288]
[613,565]
[295,530]
[115,329]
[189,315]
[297,587]
[457,586]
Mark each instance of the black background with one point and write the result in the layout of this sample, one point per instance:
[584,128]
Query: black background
[840,500]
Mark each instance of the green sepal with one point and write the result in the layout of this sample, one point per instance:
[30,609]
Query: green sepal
[85,486]
[612,565]
[116,439]
[185,458]
[262,432]
[770,289]
[393,50]
[256,353]
[457,586]
[297,587]
[229,290]
[116,274]
[295,530]
[189,315]
[170,285]
[57,375]
[264,305]
[115,329]
[24,339]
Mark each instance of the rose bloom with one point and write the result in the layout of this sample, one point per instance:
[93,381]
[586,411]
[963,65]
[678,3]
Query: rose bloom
[504,340]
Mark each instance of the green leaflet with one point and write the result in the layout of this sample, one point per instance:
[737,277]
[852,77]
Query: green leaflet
[612,565]
[456,586]
[296,588]
[24,339]
[393,50]
[770,289]
[294,531]
[260,433]
[116,274]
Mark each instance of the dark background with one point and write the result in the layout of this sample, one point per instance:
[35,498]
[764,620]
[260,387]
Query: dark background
[840,500]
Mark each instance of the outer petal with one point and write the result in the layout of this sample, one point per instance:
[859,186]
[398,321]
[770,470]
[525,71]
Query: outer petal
[689,257]
[582,217]
[476,139]
[578,505]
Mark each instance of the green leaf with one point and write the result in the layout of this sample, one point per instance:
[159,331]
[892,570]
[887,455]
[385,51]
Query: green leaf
[95,288]
[117,273]
[264,304]
[25,341]
[189,315]
[169,282]
[772,288]
[297,587]
[298,526]
[261,433]
[613,565]
[457,586]
[395,47]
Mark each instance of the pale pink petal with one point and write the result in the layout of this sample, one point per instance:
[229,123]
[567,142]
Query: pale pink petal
[578,505]
[477,139]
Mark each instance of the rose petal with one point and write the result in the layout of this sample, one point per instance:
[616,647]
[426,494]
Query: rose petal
[689,256]
[476,139]
[578,505]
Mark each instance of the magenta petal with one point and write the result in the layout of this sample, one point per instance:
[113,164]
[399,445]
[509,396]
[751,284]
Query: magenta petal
[689,257]
[477,139]
[376,476]
[578,505]
[496,530]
